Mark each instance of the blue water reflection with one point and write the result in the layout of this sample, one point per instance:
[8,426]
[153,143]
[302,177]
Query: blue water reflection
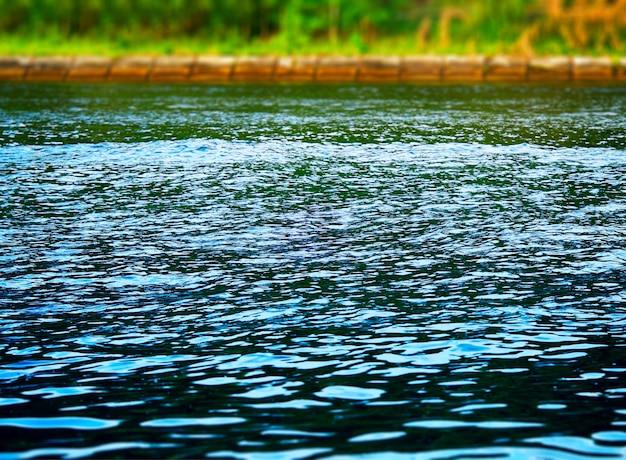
[321,296]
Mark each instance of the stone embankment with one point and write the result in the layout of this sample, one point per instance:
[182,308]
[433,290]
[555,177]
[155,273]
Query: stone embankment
[367,69]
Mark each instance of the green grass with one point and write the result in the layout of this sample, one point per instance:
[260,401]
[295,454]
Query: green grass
[12,45]
[286,27]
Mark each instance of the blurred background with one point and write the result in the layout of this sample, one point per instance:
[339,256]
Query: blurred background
[349,27]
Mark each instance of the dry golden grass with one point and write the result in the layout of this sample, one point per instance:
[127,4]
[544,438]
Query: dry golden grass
[584,23]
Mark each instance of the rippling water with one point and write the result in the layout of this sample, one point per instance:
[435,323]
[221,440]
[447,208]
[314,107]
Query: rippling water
[297,272]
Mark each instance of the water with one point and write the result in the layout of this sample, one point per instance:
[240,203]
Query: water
[297,272]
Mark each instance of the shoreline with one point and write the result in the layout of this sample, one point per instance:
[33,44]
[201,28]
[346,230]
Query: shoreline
[312,69]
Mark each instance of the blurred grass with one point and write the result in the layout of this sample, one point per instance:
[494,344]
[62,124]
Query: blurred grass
[349,27]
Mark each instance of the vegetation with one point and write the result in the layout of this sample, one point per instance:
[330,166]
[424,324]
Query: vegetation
[312,26]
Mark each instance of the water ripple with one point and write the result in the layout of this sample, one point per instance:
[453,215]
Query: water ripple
[315,296]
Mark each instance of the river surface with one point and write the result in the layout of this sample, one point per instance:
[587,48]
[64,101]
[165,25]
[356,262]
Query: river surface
[302,272]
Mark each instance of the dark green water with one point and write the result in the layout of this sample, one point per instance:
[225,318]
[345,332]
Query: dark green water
[294,272]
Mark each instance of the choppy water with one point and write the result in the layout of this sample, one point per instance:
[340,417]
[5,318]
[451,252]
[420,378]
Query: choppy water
[298,272]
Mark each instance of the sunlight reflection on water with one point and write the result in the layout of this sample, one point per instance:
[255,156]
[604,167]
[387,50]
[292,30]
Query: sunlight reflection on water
[288,299]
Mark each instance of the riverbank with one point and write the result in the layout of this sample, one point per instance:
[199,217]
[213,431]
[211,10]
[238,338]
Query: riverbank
[313,27]
[309,69]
